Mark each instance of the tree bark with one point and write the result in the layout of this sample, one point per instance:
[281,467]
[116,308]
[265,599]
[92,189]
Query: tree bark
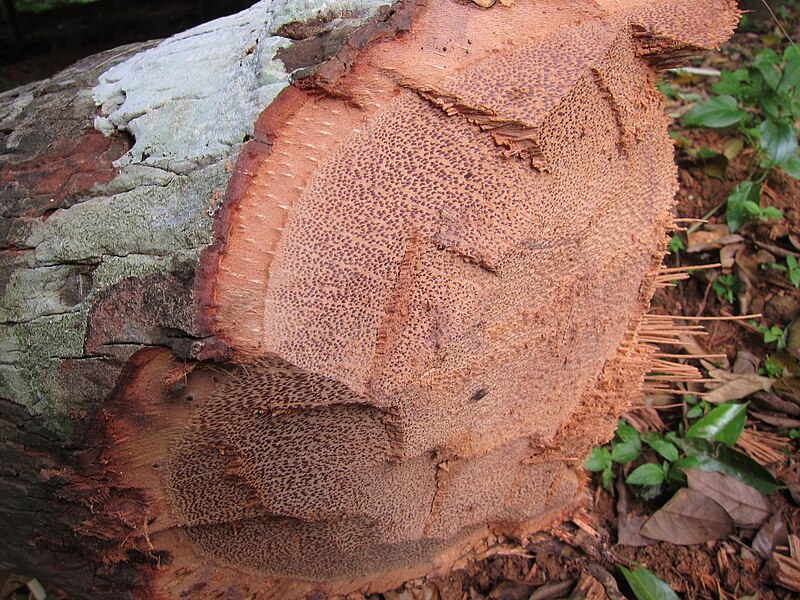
[315,299]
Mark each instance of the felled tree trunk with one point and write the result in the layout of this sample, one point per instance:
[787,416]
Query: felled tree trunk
[318,297]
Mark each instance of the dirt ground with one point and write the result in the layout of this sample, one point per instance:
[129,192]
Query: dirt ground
[580,558]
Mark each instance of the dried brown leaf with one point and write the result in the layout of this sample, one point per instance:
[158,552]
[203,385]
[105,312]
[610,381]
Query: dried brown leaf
[745,363]
[794,491]
[629,524]
[727,254]
[734,386]
[628,528]
[772,533]
[776,420]
[688,518]
[777,404]
[511,590]
[702,240]
[793,338]
[745,504]
[549,591]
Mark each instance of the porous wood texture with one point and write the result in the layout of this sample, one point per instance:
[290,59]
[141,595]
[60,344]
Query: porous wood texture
[417,311]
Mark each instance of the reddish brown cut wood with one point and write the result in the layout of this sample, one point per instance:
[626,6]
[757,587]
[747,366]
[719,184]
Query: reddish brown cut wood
[361,345]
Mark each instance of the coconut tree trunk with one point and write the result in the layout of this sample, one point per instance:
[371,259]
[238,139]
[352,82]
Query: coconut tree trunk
[318,297]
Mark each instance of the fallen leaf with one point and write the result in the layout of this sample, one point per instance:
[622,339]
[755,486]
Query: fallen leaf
[629,530]
[629,524]
[703,239]
[745,363]
[793,338]
[511,590]
[776,420]
[734,386]
[727,254]
[745,504]
[747,269]
[646,586]
[772,533]
[775,403]
[716,166]
[732,148]
[688,518]
[549,591]
[716,456]
[794,491]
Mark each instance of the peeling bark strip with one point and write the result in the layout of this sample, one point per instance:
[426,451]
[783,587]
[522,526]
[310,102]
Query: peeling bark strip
[304,323]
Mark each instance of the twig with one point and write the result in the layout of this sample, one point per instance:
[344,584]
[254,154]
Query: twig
[776,249]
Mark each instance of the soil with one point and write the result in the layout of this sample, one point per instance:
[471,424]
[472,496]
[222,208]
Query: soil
[580,557]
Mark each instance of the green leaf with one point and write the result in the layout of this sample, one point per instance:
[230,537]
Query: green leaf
[646,586]
[627,433]
[723,424]
[770,212]
[730,83]
[751,208]
[695,412]
[779,139]
[664,448]
[675,244]
[716,456]
[792,166]
[767,61]
[625,452]
[772,104]
[646,474]
[740,198]
[721,111]
[607,477]
[598,459]
[791,69]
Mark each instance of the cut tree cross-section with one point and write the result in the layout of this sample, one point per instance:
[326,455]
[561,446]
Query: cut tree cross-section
[316,298]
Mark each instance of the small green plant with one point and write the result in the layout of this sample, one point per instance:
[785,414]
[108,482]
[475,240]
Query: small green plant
[772,367]
[599,461]
[763,102]
[625,447]
[697,407]
[772,334]
[675,244]
[726,286]
[744,204]
[707,444]
[791,268]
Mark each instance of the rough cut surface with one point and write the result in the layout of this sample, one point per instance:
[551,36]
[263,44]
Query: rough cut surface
[388,307]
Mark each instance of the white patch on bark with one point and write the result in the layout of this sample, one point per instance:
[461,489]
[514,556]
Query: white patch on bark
[193,97]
